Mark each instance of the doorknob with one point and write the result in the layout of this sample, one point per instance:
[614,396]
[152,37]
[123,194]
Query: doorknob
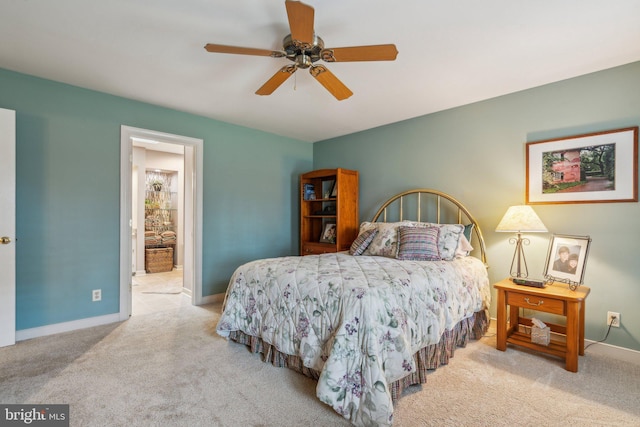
[5,240]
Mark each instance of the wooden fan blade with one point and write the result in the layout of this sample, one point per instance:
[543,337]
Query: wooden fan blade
[278,78]
[380,52]
[300,21]
[221,48]
[330,82]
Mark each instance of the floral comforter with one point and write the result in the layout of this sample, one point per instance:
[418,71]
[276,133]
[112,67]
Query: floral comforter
[355,319]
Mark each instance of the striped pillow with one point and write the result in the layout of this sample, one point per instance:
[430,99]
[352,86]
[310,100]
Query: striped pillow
[418,244]
[362,242]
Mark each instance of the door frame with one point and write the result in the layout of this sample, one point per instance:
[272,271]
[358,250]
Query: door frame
[192,235]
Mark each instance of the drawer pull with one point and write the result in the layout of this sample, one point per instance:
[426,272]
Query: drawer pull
[540,302]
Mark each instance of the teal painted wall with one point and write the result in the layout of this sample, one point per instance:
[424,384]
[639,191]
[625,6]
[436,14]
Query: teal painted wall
[477,154]
[68,195]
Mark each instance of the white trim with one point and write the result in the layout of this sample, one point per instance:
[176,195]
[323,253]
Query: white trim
[126,153]
[213,299]
[41,331]
[193,239]
[613,351]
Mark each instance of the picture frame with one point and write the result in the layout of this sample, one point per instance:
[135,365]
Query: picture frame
[328,186]
[334,190]
[329,233]
[600,167]
[567,258]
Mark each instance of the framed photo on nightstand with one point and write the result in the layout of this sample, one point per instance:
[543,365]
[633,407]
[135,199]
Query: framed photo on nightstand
[567,258]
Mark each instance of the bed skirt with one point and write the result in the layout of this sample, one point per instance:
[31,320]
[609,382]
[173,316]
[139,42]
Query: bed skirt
[426,359]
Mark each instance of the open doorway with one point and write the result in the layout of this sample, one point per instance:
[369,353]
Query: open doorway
[157,238]
[160,225]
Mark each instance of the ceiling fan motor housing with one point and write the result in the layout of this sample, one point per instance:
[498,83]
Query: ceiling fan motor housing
[303,54]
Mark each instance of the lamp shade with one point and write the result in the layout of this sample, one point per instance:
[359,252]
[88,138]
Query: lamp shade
[521,218]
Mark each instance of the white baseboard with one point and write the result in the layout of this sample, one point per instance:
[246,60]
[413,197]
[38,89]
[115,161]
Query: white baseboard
[620,353]
[212,299]
[26,334]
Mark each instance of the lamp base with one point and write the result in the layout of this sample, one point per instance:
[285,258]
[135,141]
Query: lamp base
[519,260]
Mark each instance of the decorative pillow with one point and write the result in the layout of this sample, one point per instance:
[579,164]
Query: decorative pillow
[418,243]
[468,229]
[385,243]
[448,239]
[464,247]
[362,242]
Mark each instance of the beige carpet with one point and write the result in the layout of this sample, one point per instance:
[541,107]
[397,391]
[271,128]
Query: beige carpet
[170,369]
[157,292]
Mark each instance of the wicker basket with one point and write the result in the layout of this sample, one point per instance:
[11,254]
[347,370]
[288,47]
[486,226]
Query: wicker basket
[158,260]
[540,335]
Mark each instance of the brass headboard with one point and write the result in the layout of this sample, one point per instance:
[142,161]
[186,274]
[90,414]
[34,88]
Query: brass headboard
[427,206]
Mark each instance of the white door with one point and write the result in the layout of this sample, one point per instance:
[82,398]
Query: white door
[7,227]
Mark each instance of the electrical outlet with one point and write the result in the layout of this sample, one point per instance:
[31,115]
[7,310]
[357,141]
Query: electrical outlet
[96,295]
[613,319]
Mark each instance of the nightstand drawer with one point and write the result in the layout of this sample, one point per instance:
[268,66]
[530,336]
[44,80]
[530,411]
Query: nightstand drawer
[539,303]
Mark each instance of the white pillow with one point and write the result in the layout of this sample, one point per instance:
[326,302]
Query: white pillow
[464,247]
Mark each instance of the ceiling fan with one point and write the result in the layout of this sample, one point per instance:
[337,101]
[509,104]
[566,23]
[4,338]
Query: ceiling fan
[304,48]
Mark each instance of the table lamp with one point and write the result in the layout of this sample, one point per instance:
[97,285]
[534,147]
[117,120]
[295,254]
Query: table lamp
[520,219]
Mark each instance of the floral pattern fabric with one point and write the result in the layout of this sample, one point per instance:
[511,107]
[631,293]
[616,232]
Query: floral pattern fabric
[357,320]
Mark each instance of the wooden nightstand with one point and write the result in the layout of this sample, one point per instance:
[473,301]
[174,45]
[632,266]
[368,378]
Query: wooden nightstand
[556,298]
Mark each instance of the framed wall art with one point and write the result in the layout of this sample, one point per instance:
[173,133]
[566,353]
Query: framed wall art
[567,258]
[591,168]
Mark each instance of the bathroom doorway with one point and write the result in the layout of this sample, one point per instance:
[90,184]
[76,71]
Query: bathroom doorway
[157,237]
[161,220]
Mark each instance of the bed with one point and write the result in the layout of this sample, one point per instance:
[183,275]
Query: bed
[369,322]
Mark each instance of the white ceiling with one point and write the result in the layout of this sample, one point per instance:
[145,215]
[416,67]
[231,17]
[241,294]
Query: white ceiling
[451,53]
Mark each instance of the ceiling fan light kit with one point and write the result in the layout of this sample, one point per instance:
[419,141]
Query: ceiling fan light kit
[304,48]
